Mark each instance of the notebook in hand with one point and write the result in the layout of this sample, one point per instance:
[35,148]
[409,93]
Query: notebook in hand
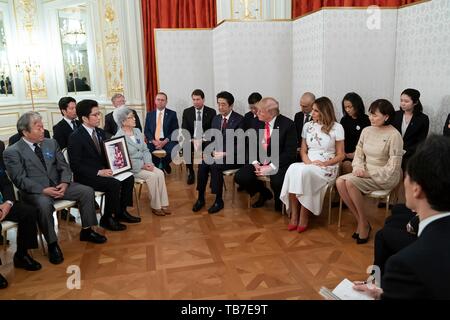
[344,291]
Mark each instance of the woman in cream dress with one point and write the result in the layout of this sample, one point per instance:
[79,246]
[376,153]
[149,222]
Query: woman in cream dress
[376,165]
[141,160]
[322,150]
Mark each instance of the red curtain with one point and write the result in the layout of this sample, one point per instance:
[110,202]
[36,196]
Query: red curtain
[301,7]
[170,14]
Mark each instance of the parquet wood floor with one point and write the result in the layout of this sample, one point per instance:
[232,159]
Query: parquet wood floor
[238,253]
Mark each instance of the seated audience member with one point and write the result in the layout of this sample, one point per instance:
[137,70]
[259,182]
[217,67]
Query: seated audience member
[16,137]
[447,126]
[354,121]
[159,126]
[227,121]
[110,128]
[37,167]
[399,231]
[202,116]
[64,128]
[26,217]
[304,116]
[270,119]
[411,122]
[322,150]
[376,166]
[141,160]
[420,270]
[251,118]
[88,162]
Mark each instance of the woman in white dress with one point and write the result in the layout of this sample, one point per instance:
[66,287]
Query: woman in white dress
[141,160]
[322,150]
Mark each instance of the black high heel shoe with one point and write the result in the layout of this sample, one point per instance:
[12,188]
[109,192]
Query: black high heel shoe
[364,240]
[355,235]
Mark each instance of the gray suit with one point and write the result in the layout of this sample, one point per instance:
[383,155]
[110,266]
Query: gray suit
[31,178]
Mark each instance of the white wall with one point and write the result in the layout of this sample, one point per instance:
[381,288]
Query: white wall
[356,58]
[307,59]
[423,58]
[185,63]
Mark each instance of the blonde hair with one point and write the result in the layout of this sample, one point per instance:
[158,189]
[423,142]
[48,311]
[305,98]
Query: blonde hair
[327,114]
[269,104]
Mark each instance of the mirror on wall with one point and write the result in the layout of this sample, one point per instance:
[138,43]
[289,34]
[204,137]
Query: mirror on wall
[6,87]
[72,29]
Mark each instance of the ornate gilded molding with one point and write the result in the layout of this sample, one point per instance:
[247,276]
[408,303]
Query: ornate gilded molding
[27,23]
[111,48]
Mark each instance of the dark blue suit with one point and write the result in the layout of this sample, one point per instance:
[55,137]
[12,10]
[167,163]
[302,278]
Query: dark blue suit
[170,124]
[235,122]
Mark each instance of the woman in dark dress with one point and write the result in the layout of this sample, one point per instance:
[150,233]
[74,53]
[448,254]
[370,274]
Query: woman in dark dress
[354,121]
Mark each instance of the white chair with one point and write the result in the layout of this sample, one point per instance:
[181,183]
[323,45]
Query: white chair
[7,225]
[137,193]
[230,173]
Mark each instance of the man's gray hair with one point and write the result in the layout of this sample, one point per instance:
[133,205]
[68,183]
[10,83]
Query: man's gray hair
[309,95]
[117,95]
[120,114]
[26,121]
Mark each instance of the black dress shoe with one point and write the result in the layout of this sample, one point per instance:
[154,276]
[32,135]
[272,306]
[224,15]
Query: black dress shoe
[111,224]
[364,240]
[216,207]
[26,262]
[263,197]
[198,205]
[355,235]
[91,236]
[191,178]
[126,217]
[55,254]
[3,282]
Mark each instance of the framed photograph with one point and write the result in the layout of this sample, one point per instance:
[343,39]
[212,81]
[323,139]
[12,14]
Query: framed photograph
[116,151]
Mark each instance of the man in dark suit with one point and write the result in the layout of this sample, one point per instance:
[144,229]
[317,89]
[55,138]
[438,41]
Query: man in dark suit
[306,104]
[159,126]
[110,128]
[37,167]
[420,271]
[226,123]
[64,128]
[76,84]
[275,132]
[447,126]
[88,162]
[199,115]
[251,118]
[26,217]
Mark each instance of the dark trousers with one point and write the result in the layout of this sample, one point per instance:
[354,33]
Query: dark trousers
[216,171]
[393,237]
[26,216]
[118,194]
[248,180]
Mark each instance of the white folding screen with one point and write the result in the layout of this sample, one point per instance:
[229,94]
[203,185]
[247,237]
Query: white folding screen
[423,58]
[185,63]
[329,53]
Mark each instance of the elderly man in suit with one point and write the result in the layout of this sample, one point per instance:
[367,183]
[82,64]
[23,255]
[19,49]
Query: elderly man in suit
[420,270]
[306,104]
[227,121]
[88,162]
[159,126]
[199,115]
[37,167]
[110,128]
[64,128]
[270,119]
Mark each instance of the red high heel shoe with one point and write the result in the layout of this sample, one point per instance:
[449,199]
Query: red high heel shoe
[301,229]
[292,227]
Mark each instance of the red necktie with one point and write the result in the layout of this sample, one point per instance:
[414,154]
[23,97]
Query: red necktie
[224,124]
[266,136]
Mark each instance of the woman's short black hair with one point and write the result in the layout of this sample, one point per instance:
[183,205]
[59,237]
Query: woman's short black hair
[429,168]
[385,107]
[357,103]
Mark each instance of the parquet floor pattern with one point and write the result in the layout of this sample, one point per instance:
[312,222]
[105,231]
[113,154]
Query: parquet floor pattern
[238,253]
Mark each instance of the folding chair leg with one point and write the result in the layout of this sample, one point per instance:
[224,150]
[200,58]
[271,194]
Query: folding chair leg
[387,205]
[340,213]
[137,200]
[329,205]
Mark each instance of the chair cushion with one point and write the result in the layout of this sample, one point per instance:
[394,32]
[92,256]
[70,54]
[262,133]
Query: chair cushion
[63,204]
